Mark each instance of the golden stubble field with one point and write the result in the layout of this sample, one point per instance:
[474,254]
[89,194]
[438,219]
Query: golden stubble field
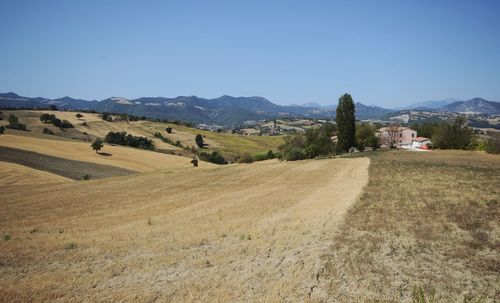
[228,233]
[125,157]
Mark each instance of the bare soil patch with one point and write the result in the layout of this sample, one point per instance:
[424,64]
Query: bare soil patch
[63,167]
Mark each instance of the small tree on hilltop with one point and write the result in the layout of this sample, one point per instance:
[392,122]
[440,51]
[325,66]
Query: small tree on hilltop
[97,145]
[168,130]
[346,123]
[199,140]
[79,116]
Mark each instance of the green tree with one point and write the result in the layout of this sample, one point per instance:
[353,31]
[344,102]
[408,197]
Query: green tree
[66,124]
[79,116]
[57,122]
[454,135]
[14,123]
[199,140]
[106,117]
[97,145]
[47,118]
[346,123]
[365,136]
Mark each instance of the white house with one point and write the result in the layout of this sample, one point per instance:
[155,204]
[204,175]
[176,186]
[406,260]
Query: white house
[397,136]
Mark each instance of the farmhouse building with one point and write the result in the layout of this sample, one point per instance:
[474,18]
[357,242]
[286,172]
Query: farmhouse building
[396,136]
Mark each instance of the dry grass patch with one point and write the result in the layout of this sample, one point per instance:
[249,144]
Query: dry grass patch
[427,223]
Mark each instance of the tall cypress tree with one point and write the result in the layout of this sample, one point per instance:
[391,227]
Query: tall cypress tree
[346,123]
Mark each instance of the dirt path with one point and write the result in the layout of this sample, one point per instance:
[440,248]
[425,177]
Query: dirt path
[235,234]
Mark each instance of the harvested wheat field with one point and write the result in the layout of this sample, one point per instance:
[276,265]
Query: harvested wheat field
[15,174]
[226,233]
[119,156]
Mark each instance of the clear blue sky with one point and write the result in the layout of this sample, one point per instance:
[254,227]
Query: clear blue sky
[386,53]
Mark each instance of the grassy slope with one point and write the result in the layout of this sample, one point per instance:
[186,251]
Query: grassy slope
[235,233]
[230,145]
[95,127]
[425,220]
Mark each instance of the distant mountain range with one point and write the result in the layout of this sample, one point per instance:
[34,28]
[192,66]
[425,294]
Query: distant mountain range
[225,110]
[430,105]
[228,110]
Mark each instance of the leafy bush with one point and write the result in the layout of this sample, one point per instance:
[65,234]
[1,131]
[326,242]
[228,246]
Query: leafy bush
[167,140]
[264,156]
[66,124]
[122,138]
[455,135]
[14,123]
[106,117]
[47,131]
[2,129]
[314,143]
[493,144]
[213,157]
[56,122]
[199,141]
[294,154]
[365,136]
[246,158]
[71,245]
[49,118]
[168,130]
[46,118]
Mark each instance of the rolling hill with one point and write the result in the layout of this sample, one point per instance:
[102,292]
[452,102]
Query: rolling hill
[91,126]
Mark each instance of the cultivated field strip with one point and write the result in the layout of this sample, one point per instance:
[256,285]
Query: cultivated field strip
[63,167]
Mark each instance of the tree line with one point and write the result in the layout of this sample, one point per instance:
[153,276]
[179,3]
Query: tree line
[50,118]
[122,138]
